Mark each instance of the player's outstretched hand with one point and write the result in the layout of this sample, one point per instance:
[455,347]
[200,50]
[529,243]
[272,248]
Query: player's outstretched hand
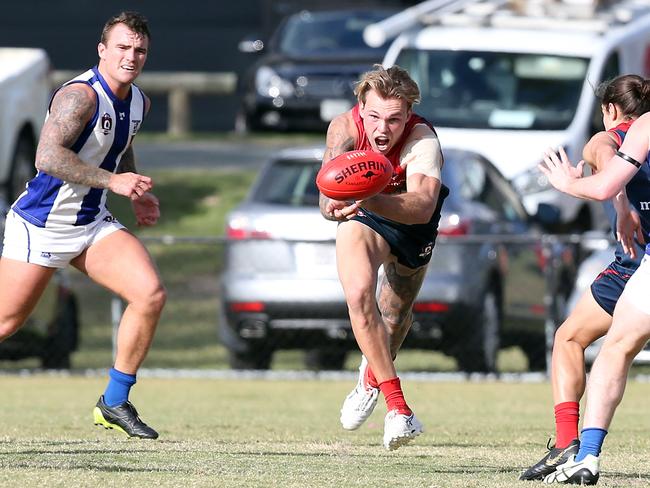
[131,185]
[146,209]
[628,226]
[559,170]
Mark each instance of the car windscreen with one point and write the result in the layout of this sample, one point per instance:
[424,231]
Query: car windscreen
[288,182]
[328,33]
[491,90]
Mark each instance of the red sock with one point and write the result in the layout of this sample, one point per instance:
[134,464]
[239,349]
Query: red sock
[394,397]
[567,415]
[370,379]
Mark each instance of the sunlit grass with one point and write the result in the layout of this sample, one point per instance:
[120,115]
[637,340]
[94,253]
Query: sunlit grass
[286,434]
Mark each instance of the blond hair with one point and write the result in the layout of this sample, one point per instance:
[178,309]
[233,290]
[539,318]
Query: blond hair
[393,82]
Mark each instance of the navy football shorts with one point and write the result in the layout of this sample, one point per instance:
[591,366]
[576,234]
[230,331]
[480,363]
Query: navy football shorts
[412,245]
[608,285]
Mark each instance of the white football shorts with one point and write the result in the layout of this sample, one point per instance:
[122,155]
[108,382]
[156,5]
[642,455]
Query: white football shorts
[53,247]
[636,289]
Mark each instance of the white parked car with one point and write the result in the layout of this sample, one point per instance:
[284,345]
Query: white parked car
[24,95]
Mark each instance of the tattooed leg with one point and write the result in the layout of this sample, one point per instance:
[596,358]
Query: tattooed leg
[397,291]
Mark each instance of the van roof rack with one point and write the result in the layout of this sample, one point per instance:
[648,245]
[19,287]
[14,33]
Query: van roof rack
[574,15]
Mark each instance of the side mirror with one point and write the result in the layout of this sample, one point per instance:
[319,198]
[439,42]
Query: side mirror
[251,44]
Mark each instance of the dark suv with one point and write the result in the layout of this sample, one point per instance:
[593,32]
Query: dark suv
[306,72]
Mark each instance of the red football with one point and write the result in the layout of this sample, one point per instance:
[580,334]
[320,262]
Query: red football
[354,175]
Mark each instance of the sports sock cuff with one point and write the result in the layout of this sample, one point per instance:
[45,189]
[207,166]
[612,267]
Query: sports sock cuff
[124,378]
[392,390]
[390,384]
[591,442]
[567,416]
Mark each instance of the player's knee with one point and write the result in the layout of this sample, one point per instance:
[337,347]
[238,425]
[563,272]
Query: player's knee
[360,299]
[570,335]
[396,319]
[628,345]
[158,298]
[151,299]
[564,334]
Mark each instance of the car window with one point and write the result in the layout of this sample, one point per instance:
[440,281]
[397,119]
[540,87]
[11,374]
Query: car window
[288,182]
[479,183]
[324,32]
[491,90]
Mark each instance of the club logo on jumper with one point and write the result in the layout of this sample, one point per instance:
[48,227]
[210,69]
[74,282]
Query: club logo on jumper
[136,126]
[368,166]
[110,219]
[46,255]
[107,123]
[121,115]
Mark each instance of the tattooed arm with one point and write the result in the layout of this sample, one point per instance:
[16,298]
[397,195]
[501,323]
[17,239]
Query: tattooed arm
[72,108]
[341,137]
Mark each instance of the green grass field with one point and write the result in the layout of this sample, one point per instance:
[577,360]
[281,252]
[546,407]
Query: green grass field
[279,433]
[269,433]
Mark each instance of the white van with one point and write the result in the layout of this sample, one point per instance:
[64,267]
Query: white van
[511,79]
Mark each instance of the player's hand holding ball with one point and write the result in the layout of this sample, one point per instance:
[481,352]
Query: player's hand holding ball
[352,177]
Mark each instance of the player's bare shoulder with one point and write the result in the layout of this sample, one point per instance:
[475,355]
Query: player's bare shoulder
[341,136]
[421,152]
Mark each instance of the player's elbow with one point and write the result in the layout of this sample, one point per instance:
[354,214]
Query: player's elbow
[41,164]
[605,192]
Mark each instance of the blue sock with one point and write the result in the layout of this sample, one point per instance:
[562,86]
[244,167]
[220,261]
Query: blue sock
[591,442]
[119,385]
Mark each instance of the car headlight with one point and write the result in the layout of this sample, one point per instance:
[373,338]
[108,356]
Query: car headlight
[531,181]
[269,84]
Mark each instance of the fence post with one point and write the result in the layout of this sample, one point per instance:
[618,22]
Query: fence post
[550,298]
[179,112]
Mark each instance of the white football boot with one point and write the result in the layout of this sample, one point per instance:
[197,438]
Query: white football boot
[400,429]
[360,402]
[585,472]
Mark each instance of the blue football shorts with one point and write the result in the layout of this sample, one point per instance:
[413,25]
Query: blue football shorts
[609,284]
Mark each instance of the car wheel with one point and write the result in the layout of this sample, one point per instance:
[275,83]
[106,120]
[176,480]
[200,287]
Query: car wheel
[479,350]
[534,346]
[22,166]
[534,349]
[325,358]
[63,335]
[254,357]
